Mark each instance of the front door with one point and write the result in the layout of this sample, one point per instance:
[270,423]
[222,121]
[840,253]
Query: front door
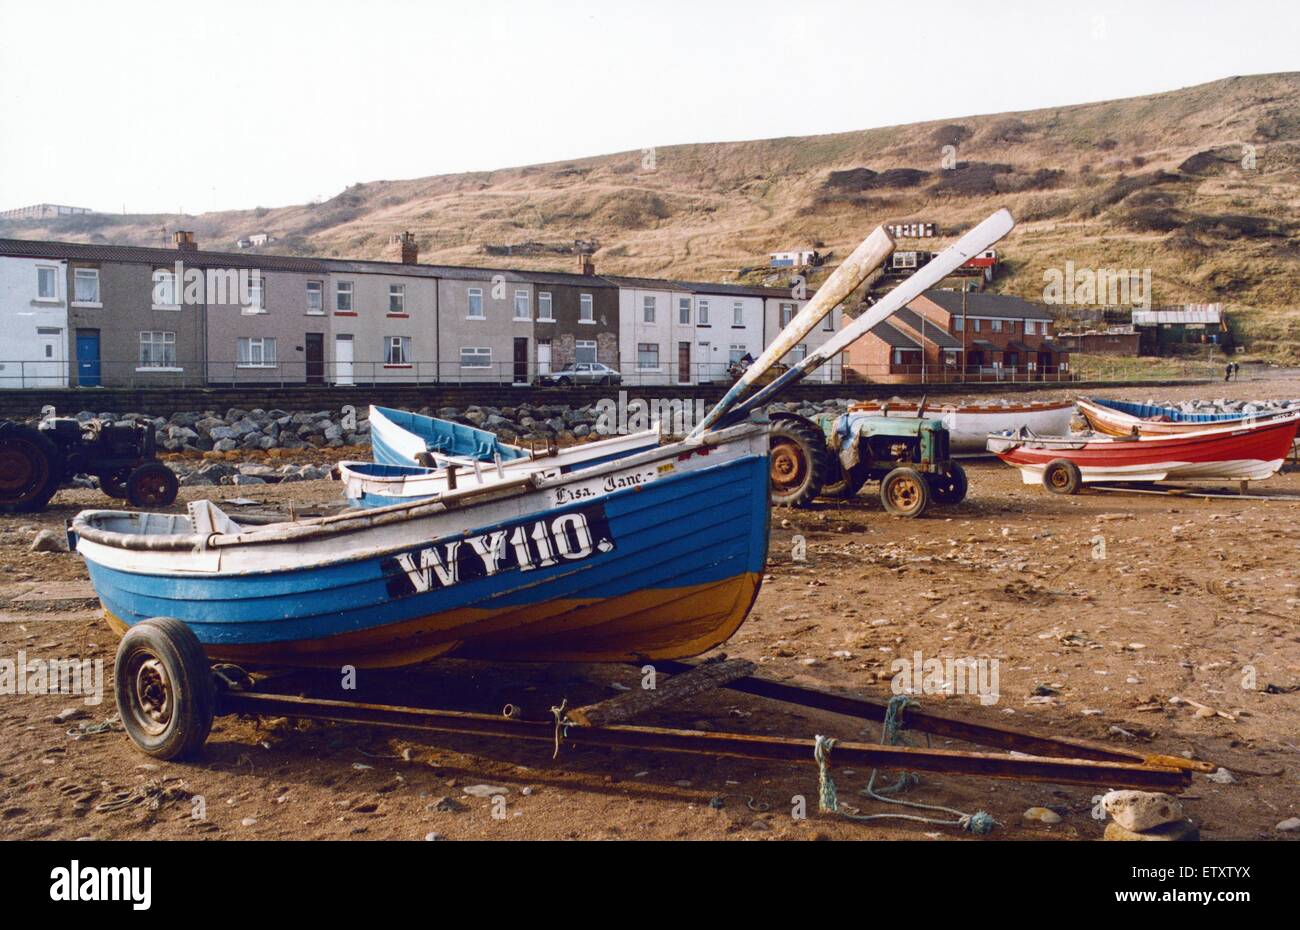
[543,356]
[315,346]
[521,360]
[343,360]
[684,363]
[88,357]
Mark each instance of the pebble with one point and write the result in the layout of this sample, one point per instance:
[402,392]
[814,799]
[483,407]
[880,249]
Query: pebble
[484,791]
[1290,825]
[1222,777]
[1042,815]
[71,713]
[1141,810]
[248,821]
[1178,831]
[433,837]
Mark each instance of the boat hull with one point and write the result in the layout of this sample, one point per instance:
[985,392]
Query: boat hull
[969,425]
[1248,453]
[1115,422]
[659,559]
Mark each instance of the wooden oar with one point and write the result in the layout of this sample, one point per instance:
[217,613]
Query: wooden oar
[866,258]
[945,263]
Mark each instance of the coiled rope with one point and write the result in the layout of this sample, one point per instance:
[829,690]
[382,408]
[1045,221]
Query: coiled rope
[980,822]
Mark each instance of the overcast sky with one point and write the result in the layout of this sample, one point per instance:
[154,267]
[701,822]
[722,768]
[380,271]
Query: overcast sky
[164,106]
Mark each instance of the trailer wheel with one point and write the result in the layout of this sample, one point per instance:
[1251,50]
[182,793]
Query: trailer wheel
[800,460]
[905,492]
[165,693]
[847,485]
[114,483]
[950,486]
[153,484]
[31,469]
[1061,476]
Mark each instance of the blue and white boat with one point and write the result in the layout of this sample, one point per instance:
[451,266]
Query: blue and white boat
[657,555]
[417,456]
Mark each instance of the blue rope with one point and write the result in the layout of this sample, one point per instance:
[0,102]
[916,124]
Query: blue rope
[979,823]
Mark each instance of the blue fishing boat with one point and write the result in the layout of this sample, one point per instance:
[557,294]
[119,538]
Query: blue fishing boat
[1122,418]
[657,555]
[398,437]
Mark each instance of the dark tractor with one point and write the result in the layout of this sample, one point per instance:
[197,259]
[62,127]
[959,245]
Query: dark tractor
[909,457]
[36,460]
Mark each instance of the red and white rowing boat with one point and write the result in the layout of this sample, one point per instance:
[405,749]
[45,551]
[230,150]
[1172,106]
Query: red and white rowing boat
[1240,452]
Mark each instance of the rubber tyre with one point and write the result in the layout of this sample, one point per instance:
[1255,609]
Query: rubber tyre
[799,461]
[847,485]
[951,486]
[564,382]
[114,485]
[31,469]
[153,484]
[1061,476]
[905,492]
[165,692]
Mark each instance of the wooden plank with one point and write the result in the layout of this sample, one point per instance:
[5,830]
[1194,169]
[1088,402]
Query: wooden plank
[635,703]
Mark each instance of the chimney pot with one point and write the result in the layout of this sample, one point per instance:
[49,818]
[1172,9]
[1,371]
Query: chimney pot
[585,264]
[185,240]
[405,248]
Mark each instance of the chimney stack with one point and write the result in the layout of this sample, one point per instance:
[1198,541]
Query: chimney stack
[404,248]
[585,249]
[185,240]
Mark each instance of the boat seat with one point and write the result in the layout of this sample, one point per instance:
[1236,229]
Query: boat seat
[206,518]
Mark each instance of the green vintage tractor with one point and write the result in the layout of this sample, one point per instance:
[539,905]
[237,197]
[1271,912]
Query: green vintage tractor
[834,456]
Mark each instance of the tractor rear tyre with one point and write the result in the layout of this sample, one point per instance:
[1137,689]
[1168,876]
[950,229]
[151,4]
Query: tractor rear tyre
[114,484]
[31,469]
[153,484]
[949,486]
[800,461]
[905,492]
[1061,476]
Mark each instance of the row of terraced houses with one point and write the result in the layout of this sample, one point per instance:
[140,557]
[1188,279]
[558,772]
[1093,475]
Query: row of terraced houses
[88,315]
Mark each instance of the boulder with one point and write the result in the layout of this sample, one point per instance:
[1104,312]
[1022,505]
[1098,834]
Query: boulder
[1141,810]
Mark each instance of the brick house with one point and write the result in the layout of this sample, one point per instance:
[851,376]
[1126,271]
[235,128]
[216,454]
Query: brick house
[938,337]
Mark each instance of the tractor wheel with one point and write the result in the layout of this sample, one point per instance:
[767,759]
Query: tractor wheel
[800,461]
[114,483]
[1061,476]
[153,484]
[950,486]
[905,492]
[847,485]
[31,469]
[166,695]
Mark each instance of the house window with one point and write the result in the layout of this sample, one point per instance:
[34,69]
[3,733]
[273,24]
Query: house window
[315,298]
[647,355]
[255,352]
[958,324]
[47,283]
[85,286]
[475,311]
[684,311]
[798,353]
[521,305]
[255,304]
[397,350]
[343,297]
[995,326]
[787,314]
[736,354]
[829,325]
[977,325]
[157,350]
[1030,326]
[164,289]
[737,313]
[586,309]
[475,357]
[584,350]
[544,306]
[703,312]
[648,309]
[397,298]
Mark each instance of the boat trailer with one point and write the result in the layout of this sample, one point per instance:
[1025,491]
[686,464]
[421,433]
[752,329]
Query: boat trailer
[1039,758]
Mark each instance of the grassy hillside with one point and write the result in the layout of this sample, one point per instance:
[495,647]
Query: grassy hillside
[1150,182]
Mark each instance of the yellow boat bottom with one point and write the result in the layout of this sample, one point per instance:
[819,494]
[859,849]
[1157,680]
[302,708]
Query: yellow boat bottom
[664,623]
